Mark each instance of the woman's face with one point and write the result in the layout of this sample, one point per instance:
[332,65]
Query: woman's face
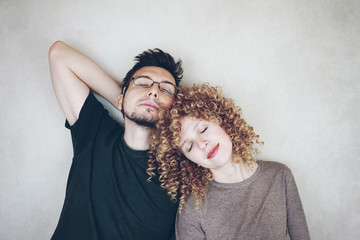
[205,143]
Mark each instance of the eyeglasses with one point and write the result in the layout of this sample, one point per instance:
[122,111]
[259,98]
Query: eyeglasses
[146,82]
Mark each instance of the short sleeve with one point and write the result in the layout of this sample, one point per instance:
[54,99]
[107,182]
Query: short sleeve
[93,117]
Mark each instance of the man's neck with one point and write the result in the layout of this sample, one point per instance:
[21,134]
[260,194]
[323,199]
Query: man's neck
[137,137]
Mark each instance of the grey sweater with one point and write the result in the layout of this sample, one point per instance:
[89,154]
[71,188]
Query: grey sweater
[265,206]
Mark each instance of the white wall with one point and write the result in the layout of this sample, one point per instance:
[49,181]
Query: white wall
[293,67]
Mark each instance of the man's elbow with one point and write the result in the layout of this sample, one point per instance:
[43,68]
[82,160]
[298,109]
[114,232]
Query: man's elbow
[56,49]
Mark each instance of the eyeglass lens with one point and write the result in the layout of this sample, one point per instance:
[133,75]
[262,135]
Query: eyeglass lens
[147,83]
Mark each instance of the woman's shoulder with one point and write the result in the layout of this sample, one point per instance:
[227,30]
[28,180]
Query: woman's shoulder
[190,208]
[274,166]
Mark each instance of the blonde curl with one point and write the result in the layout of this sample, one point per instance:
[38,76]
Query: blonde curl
[179,176]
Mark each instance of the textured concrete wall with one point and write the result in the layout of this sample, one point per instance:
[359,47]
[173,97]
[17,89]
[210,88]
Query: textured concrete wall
[293,67]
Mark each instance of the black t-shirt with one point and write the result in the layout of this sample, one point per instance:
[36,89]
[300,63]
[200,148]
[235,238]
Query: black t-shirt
[108,195]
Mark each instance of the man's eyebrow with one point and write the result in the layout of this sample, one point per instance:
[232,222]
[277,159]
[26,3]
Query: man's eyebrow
[146,76]
[167,81]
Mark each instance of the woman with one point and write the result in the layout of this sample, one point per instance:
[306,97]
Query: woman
[203,151]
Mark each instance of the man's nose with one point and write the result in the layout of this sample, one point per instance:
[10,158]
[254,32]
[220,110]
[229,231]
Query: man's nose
[154,90]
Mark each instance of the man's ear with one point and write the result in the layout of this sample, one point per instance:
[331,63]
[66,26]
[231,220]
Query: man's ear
[120,102]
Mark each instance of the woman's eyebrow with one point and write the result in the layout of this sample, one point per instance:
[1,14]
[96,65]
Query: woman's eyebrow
[185,140]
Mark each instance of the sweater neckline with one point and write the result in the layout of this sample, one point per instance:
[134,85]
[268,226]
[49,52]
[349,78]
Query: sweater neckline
[239,184]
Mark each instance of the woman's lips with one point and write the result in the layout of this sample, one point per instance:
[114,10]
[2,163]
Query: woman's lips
[213,151]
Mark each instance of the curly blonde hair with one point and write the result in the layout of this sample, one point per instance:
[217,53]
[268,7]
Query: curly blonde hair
[178,175]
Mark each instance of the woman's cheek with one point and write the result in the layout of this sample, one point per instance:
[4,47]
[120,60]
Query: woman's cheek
[195,158]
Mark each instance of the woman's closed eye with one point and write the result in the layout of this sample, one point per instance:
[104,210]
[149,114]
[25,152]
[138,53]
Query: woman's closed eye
[191,146]
[204,130]
[188,149]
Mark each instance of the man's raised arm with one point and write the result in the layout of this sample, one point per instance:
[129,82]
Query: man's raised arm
[73,74]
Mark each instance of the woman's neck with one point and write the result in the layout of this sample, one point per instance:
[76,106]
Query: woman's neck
[235,172]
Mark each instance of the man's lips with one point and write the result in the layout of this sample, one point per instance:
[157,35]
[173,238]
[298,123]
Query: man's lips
[213,151]
[149,104]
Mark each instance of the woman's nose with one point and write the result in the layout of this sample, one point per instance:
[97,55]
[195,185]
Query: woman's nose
[203,143]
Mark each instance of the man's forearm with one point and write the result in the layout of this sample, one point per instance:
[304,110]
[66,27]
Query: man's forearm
[87,71]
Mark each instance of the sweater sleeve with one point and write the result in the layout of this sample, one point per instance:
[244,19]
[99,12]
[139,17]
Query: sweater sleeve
[189,223]
[296,221]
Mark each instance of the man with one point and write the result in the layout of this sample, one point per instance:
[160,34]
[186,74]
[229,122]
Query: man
[107,195]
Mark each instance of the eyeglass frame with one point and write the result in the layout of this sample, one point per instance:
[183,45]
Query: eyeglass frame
[158,83]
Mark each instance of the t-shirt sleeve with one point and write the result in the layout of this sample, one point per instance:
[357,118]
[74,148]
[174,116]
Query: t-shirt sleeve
[189,223]
[92,117]
[296,220]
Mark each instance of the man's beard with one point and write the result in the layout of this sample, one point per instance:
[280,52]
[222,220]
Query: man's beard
[141,120]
